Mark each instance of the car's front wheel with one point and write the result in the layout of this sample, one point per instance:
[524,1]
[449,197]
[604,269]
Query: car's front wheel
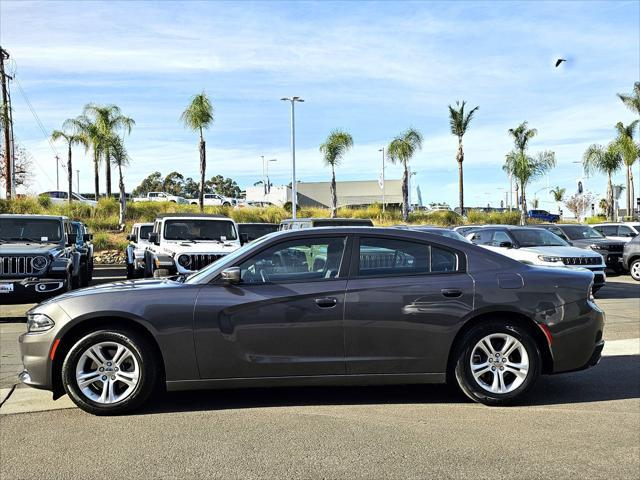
[497,363]
[109,372]
[634,270]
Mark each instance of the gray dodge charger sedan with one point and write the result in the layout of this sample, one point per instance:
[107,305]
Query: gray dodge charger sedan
[337,305]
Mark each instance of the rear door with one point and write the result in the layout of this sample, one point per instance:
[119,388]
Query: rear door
[405,300]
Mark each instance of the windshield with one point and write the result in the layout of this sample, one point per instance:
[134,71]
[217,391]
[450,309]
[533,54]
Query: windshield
[254,231]
[30,229]
[580,232]
[145,230]
[199,230]
[537,238]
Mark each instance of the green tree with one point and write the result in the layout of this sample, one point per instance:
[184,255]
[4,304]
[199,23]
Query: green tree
[630,152]
[607,160]
[198,116]
[226,187]
[109,121]
[632,100]
[524,167]
[401,149]
[190,188]
[152,183]
[71,137]
[94,140]
[558,195]
[333,149]
[120,158]
[459,122]
[173,184]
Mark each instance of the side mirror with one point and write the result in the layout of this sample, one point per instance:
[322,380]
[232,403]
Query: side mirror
[131,238]
[506,245]
[153,238]
[231,275]
[87,237]
[244,238]
[72,238]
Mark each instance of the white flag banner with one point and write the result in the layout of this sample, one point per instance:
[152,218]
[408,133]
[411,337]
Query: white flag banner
[381,180]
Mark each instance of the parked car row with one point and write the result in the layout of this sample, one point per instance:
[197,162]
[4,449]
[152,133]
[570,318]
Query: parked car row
[42,256]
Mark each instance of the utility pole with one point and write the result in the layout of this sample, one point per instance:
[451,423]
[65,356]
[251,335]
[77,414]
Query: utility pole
[57,173]
[6,120]
[78,182]
[294,187]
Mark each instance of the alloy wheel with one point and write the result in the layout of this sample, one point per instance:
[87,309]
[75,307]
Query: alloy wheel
[499,363]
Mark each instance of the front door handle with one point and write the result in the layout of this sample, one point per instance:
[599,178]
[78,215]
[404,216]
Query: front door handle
[326,302]
[451,292]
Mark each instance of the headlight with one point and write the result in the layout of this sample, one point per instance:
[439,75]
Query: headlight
[39,263]
[184,261]
[37,322]
[546,258]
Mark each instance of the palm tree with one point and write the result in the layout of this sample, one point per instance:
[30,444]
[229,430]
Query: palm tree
[523,166]
[558,195]
[95,140]
[198,116]
[401,149]
[72,138]
[630,152]
[333,149]
[632,100]
[607,160]
[109,120]
[120,158]
[459,122]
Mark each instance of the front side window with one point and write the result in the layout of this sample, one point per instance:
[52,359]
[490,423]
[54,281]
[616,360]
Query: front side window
[145,230]
[500,237]
[581,232]
[625,231]
[481,237]
[199,230]
[391,257]
[306,260]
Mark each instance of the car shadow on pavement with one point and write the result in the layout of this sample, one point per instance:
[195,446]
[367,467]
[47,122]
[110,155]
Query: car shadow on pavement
[607,381]
[613,290]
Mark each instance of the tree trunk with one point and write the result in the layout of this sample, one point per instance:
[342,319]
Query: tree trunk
[632,193]
[334,195]
[107,164]
[203,170]
[96,173]
[460,159]
[629,196]
[523,209]
[610,199]
[405,194]
[123,200]
[70,174]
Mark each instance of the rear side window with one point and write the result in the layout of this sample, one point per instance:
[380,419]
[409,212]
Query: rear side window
[392,257]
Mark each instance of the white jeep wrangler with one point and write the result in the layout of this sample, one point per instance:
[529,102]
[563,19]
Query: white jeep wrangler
[183,244]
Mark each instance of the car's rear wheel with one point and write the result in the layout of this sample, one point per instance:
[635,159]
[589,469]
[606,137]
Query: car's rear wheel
[109,372]
[634,269]
[131,271]
[497,363]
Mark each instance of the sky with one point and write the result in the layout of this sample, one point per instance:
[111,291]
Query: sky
[371,68]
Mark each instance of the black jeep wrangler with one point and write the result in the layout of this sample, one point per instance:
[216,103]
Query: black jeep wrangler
[38,258]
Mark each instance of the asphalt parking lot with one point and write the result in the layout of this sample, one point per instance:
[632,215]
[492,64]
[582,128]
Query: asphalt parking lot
[579,425]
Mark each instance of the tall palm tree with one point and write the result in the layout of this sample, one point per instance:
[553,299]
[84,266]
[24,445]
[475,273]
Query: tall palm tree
[607,160]
[558,195]
[334,148]
[526,168]
[71,137]
[120,158]
[198,116]
[630,152]
[523,166]
[401,149]
[109,120]
[95,140]
[459,122]
[632,100]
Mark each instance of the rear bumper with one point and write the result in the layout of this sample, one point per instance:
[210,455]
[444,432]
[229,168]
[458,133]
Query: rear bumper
[32,290]
[577,339]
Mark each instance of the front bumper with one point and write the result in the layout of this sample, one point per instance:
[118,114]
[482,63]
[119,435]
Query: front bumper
[35,350]
[612,260]
[578,338]
[31,290]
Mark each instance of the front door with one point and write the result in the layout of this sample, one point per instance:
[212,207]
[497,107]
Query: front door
[284,318]
[405,300]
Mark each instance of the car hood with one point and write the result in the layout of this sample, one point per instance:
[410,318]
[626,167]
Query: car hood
[561,251]
[200,248]
[596,241]
[29,248]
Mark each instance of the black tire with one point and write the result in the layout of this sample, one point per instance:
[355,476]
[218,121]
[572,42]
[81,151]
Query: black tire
[90,276]
[70,281]
[463,374]
[83,275]
[131,272]
[634,269]
[144,355]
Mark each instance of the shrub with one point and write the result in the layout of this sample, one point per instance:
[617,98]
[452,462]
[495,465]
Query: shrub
[44,201]
[109,241]
[596,219]
[504,218]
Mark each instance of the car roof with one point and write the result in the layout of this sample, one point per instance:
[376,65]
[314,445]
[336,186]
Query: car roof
[192,215]
[324,219]
[257,223]
[143,224]
[34,216]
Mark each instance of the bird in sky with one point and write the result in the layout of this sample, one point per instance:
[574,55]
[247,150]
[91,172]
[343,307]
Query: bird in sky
[559,61]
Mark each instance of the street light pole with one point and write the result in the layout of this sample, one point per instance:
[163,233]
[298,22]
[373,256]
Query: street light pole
[78,182]
[269,181]
[294,189]
[383,184]
[57,173]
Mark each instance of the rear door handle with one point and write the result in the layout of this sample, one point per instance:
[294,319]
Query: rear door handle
[326,302]
[451,292]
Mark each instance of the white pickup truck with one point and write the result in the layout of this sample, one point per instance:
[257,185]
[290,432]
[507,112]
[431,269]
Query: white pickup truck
[161,197]
[183,244]
[214,200]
